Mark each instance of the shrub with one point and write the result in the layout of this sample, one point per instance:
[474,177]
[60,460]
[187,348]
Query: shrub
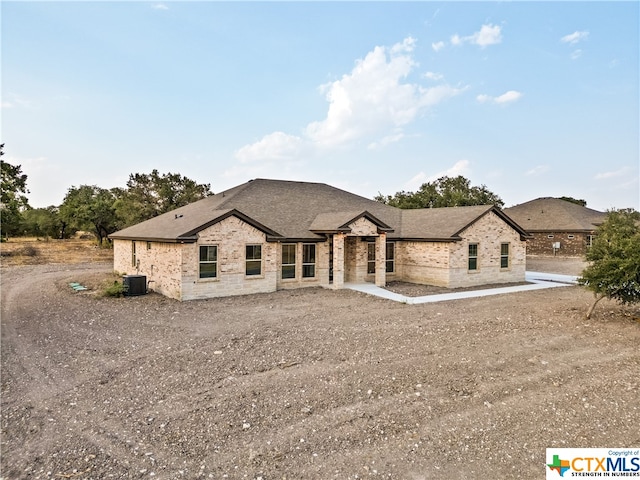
[114,290]
[28,251]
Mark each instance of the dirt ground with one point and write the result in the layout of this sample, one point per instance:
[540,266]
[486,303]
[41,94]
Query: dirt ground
[311,383]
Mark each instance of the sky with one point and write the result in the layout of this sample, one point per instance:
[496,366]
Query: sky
[531,99]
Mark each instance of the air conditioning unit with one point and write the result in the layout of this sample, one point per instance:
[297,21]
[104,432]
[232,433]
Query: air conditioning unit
[134,285]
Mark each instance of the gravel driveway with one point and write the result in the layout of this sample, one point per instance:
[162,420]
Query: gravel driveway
[311,383]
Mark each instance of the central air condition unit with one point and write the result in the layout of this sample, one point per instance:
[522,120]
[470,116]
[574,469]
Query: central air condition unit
[134,285]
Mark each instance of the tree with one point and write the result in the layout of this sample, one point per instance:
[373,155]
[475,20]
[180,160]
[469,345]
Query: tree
[614,271]
[91,207]
[44,222]
[444,192]
[149,195]
[12,197]
[580,202]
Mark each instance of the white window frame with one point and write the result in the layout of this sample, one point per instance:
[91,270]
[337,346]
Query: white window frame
[475,257]
[207,262]
[289,265]
[504,256]
[252,260]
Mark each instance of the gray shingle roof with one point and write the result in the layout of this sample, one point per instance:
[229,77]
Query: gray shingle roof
[554,215]
[295,210]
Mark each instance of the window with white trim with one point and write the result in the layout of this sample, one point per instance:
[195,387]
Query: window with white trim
[473,256]
[371,257]
[308,260]
[208,264]
[253,259]
[504,255]
[133,254]
[288,260]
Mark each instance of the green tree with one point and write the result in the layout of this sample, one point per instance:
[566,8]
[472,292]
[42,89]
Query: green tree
[44,222]
[444,192]
[614,271]
[12,197]
[149,195]
[580,202]
[91,207]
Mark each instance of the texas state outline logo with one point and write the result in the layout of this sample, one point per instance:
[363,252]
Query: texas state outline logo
[592,462]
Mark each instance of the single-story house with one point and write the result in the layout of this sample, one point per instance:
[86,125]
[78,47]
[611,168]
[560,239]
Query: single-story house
[267,235]
[557,227]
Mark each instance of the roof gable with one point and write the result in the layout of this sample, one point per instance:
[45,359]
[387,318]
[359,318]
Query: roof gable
[340,222]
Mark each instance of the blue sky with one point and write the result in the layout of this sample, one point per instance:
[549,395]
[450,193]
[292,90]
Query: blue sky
[531,99]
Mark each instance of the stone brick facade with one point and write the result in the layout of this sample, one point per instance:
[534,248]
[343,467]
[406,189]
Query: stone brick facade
[572,244]
[488,233]
[446,264]
[173,269]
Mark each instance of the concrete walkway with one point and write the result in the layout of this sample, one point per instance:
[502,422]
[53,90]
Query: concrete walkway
[538,281]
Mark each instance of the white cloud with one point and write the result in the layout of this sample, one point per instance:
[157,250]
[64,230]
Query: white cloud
[612,174]
[575,37]
[393,138]
[537,170]
[461,167]
[160,6]
[507,97]
[487,35]
[437,46]
[576,54]
[433,76]
[371,103]
[275,146]
[14,100]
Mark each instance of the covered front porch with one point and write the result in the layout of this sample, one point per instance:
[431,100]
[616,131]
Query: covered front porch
[358,259]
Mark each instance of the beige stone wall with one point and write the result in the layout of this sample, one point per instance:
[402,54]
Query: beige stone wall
[489,233]
[322,267]
[572,244]
[423,262]
[363,228]
[231,235]
[159,262]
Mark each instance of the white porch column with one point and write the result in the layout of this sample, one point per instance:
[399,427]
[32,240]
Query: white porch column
[338,260]
[381,260]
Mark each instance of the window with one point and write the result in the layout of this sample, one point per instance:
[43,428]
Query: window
[504,255]
[589,241]
[253,260]
[289,260]
[371,257]
[391,257]
[208,261]
[473,256]
[549,236]
[570,237]
[308,260]
[133,254]
[148,245]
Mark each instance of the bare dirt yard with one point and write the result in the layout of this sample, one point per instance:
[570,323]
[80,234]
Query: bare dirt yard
[311,383]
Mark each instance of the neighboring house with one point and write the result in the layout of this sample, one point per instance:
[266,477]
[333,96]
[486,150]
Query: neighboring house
[557,227]
[267,235]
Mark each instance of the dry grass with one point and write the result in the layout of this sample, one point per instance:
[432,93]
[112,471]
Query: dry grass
[33,251]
